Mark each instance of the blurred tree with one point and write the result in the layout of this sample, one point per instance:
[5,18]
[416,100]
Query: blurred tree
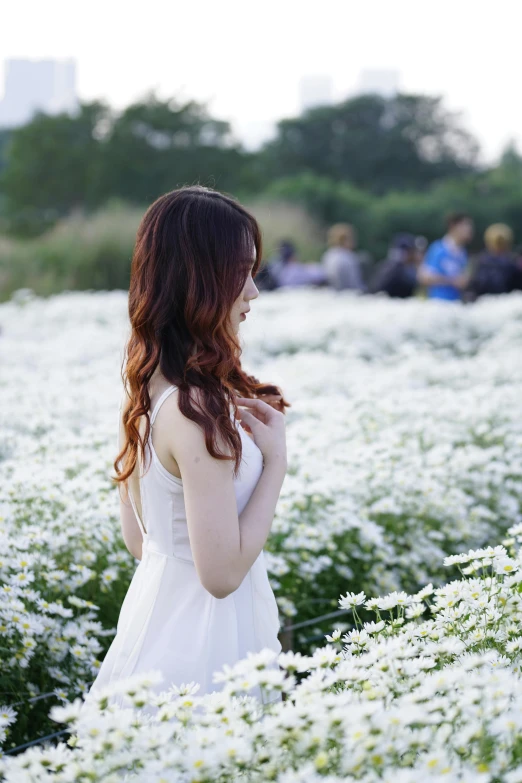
[511,159]
[60,164]
[5,137]
[378,144]
[53,167]
[154,146]
[498,197]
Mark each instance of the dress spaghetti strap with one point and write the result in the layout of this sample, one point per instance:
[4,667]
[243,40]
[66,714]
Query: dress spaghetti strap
[168,391]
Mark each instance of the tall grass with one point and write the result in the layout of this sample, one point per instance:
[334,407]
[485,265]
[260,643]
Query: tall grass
[78,253]
[282,220]
[94,252]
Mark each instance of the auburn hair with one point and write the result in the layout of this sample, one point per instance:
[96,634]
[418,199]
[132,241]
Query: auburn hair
[194,250]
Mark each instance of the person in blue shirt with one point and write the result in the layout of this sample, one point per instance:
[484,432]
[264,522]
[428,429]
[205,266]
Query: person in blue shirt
[443,271]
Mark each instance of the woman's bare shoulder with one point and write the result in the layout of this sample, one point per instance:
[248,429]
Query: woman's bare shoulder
[179,434]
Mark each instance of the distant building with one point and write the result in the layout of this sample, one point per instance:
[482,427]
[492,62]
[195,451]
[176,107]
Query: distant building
[385,83]
[315,91]
[37,85]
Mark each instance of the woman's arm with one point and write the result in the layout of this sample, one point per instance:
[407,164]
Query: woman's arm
[129,524]
[224,545]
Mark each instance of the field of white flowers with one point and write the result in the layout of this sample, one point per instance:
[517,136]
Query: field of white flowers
[405,446]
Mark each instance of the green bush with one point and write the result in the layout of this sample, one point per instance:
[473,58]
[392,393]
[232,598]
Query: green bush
[328,201]
[78,253]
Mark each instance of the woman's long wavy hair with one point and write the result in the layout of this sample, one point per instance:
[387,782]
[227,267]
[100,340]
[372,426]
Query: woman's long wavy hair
[194,250]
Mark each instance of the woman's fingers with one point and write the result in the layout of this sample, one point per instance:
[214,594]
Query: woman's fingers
[248,418]
[270,398]
[262,410]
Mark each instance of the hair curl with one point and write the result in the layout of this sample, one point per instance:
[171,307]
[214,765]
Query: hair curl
[194,250]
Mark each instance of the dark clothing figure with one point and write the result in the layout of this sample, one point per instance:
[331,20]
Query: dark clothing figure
[395,278]
[397,274]
[495,274]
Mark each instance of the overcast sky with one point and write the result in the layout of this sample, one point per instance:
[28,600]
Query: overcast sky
[246,58]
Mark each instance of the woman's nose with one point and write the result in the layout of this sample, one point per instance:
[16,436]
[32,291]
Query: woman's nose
[253,291]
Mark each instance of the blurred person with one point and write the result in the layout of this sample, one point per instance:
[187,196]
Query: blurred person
[265,280]
[443,270]
[397,274]
[366,265]
[421,245]
[496,271]
[201,450]
[518,264]
[340,262]
[288,272]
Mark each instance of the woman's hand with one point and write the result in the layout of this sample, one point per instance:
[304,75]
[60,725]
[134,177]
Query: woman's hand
[267,427]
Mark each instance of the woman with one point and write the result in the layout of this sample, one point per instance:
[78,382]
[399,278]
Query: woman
[211,442]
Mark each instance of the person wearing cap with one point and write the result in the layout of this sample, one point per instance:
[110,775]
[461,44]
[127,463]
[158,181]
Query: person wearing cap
[397,274]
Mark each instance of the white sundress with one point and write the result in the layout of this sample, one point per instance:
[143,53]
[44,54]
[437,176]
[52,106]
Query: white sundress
[168,620]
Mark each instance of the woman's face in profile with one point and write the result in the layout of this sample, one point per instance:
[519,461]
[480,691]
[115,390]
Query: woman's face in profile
[242,304]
